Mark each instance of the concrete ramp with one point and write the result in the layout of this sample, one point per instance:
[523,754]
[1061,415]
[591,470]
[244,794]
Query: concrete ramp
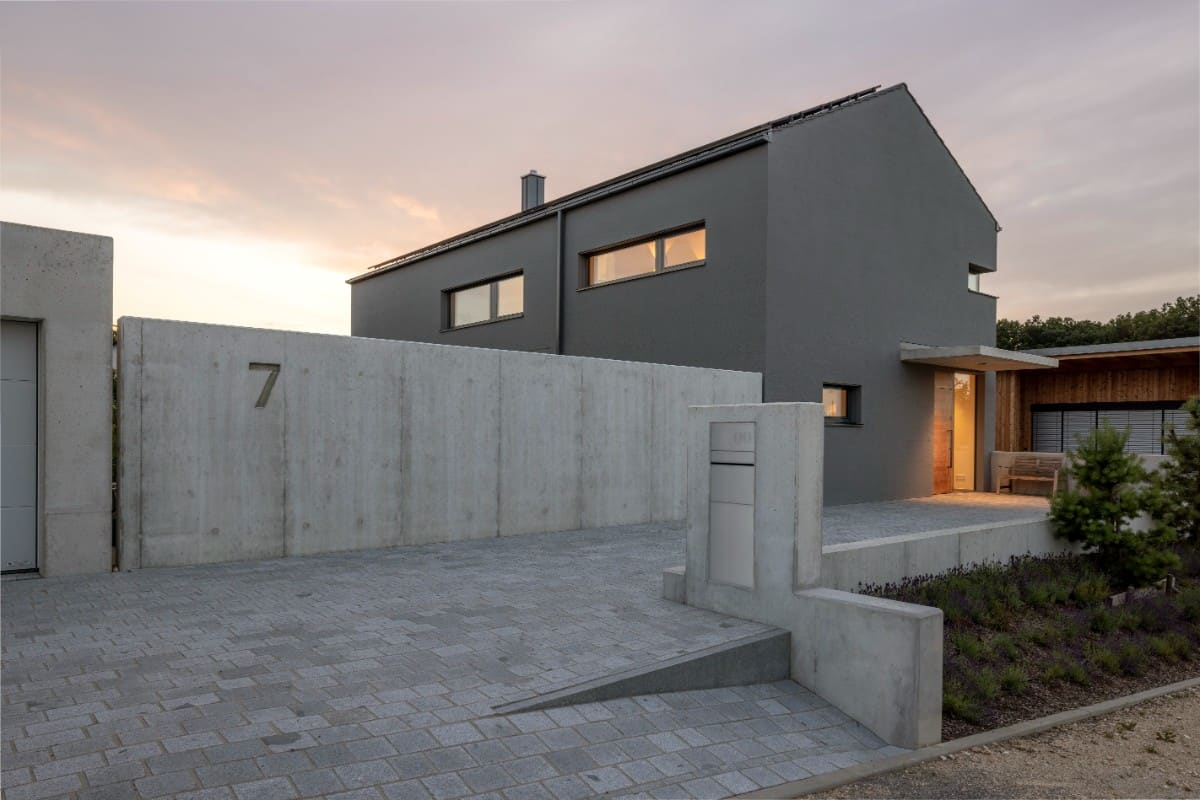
[760,658]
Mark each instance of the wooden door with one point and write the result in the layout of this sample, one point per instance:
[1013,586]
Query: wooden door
[943,432]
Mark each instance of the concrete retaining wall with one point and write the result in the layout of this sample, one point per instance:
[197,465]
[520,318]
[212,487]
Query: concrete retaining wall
[368,443]
[877,561]
[879,661]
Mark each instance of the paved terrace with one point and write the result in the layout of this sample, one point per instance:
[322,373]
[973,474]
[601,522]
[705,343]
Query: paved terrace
[854,523]
[375,673]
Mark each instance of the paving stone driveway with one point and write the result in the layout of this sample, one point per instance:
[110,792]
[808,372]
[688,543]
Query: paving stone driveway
[373,674]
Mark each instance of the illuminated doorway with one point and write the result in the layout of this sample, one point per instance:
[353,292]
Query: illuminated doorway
[954,402]
[964,432]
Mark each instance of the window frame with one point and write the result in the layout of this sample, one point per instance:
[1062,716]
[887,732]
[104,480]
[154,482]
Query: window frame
[853,417]
[660,268]
[493,285]
[975,275]
[1097,408]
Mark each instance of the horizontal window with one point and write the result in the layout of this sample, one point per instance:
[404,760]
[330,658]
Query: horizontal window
[660,253]
[485,302]
[1058,429]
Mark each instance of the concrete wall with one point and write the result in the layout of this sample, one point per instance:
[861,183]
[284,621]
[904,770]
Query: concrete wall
[871,229]
[63,281]
[371,443]
[853,565]
[877,660]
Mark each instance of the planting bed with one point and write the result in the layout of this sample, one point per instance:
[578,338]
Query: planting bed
[1036,636]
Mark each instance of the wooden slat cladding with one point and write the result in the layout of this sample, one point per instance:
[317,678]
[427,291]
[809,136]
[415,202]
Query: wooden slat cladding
[1016,392]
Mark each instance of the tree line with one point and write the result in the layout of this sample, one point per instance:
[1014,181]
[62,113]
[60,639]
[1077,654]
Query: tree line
[1171,321]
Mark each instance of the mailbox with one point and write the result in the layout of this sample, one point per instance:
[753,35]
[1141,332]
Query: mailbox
[731,503]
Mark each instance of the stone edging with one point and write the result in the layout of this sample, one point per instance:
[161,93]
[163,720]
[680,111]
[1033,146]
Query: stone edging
[831,780]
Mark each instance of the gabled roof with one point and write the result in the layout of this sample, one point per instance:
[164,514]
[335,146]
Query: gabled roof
[717,149]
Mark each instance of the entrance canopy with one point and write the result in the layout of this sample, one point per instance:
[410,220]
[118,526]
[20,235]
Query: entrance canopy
[974,357]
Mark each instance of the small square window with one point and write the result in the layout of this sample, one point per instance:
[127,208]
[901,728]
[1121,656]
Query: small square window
[842,404]
[974,274]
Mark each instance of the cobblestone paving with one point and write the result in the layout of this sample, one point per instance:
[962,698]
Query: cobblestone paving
[860,521]
[373,675]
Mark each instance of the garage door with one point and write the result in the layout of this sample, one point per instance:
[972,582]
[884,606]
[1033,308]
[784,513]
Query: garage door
[18,446]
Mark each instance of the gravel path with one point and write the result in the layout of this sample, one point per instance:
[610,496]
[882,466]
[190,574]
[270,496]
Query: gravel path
[1149,750]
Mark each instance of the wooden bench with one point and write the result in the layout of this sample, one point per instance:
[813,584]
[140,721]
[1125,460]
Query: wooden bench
[1044,469]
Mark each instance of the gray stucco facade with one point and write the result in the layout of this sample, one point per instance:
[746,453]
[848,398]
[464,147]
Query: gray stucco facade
[831,238]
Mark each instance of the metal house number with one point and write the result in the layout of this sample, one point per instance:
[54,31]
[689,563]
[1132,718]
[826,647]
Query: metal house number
[272,373]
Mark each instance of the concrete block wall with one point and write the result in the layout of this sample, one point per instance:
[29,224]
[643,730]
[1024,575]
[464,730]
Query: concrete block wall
[63,281]
[369,443]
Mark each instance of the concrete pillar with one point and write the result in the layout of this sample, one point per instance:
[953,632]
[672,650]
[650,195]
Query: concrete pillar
[754,551]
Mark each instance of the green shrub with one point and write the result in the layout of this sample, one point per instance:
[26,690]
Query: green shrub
[1129,620]
[1091,590]
[1040,635]
[1098,508]
[1150,616]
[1004,647]
[968,645]
[1105,659]
[1078,674]
[1103,621]
[1161,647]
[1014,680]
[1060,593]
[1064,669]
[1037,595]
[956,704]
[1070,629]
[1174,497]
[1189,602]
[1171,646]
[1181,644]
[985,685]
[1132,659]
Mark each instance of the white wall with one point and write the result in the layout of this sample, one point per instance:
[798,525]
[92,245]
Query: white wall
[371,443]
[63,281]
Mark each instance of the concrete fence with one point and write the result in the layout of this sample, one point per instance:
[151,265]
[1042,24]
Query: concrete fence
[240,443]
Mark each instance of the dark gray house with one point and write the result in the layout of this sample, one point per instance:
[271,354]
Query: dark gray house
[837,251]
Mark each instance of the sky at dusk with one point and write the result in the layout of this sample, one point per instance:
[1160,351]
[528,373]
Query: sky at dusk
[248,158]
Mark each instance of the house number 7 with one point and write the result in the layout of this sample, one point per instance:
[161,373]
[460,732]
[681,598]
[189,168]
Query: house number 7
[273,373]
